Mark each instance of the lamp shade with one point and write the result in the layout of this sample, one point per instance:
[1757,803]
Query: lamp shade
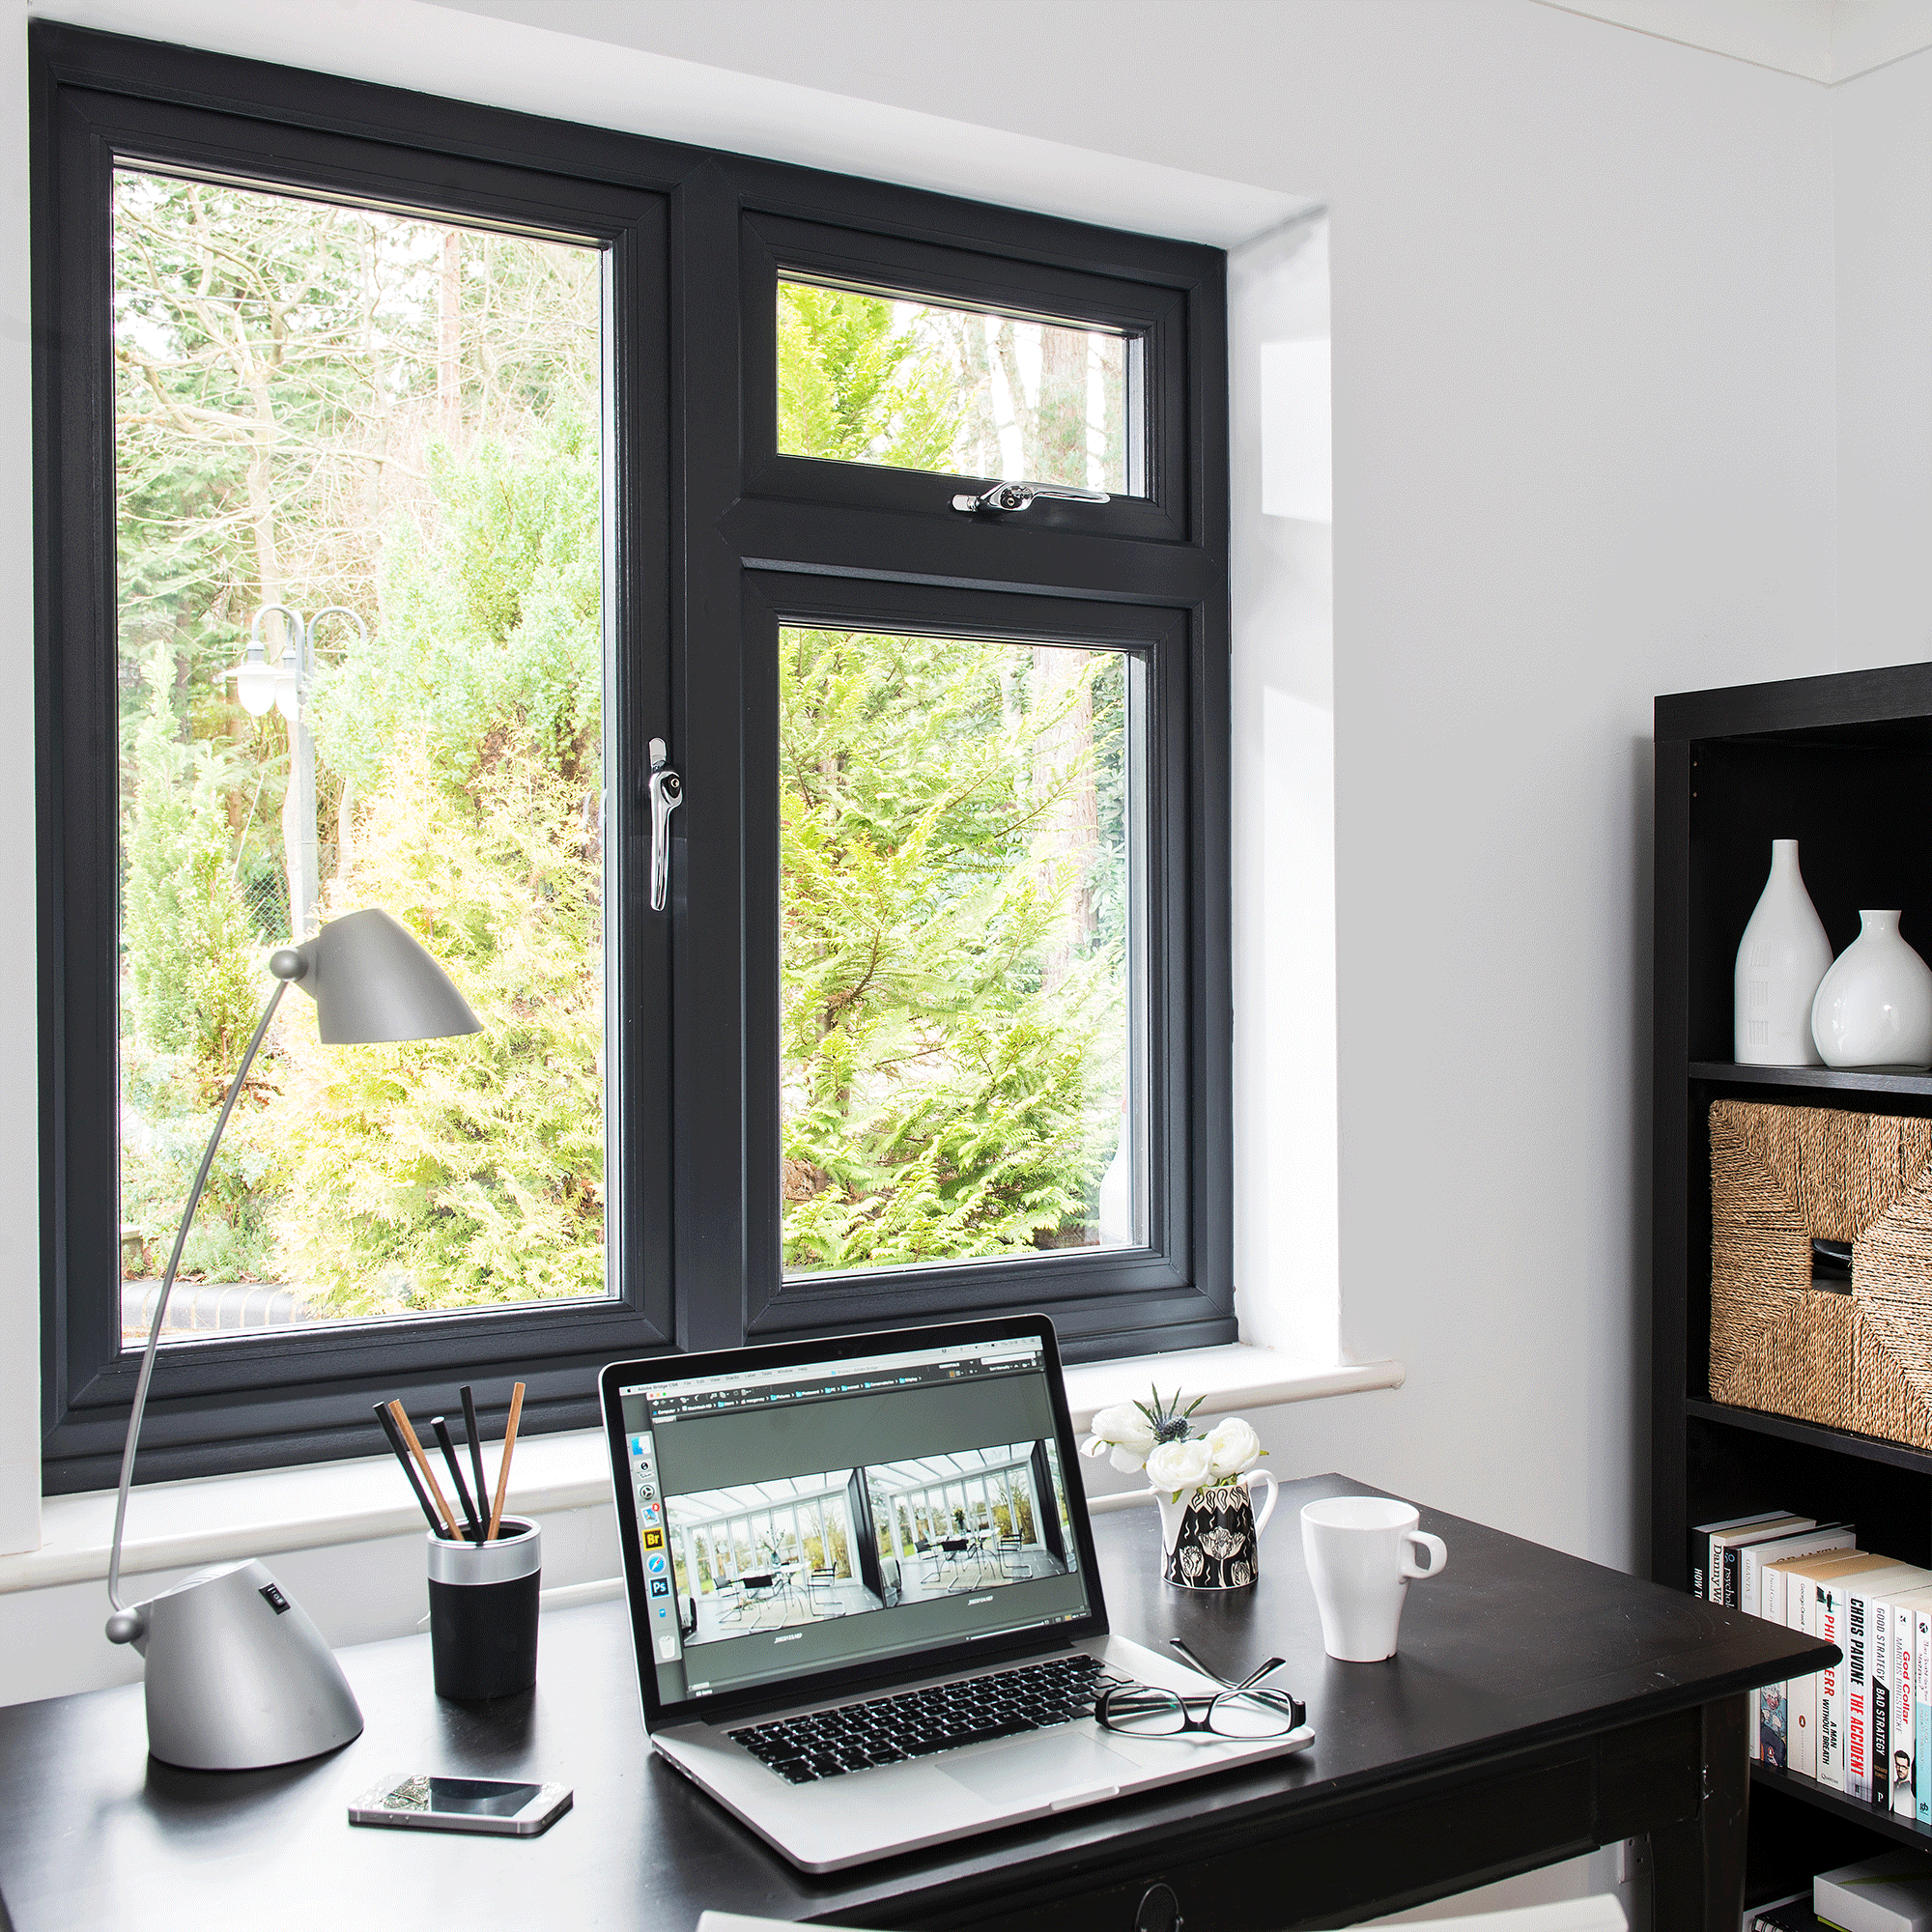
[255,682]
[371,980]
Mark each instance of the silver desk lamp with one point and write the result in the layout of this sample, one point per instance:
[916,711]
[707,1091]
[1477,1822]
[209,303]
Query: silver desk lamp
[236,1675]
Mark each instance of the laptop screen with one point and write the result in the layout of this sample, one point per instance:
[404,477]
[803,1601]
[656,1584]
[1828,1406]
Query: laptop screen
[829,1516]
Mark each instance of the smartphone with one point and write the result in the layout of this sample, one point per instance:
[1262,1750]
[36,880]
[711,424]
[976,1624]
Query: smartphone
[493,1805]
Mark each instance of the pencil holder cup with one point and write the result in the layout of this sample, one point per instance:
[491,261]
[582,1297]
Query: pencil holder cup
[483,1613]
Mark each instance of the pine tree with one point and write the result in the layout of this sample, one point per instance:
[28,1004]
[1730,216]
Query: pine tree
[190,963]
[469,1172]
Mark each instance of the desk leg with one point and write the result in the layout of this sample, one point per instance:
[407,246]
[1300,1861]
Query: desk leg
[1697,1868]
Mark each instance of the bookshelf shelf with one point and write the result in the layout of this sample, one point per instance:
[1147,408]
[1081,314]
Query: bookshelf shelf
[1842,764]
[1838,1442]
[1816,1079]
[1853,1810]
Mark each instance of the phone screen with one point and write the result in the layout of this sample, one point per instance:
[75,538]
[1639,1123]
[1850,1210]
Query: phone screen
[464,1796]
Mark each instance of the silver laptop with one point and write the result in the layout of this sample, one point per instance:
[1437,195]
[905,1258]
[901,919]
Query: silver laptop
[866,1612]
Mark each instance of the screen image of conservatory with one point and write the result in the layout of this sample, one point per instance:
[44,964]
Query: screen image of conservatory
[810,1518]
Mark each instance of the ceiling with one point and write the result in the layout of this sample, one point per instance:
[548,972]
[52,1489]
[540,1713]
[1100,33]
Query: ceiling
[899,1477]
[1825,40]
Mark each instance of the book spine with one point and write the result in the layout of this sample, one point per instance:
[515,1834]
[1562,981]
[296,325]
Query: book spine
[1729,1566]
[1855,1770]
[1773,1718]
[1801,1718]
[1921,1718]
[1904,1760]
[1877,1701]
[1700,1556]
[1827,1614]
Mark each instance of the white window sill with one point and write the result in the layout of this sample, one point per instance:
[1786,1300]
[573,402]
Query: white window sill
[218,1519]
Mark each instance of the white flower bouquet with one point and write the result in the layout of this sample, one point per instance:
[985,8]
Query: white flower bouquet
[1160,1439]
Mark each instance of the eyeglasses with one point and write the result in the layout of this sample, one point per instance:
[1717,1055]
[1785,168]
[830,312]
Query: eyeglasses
[1238,1711]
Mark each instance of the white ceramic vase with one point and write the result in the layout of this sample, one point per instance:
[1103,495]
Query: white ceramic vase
[1875,1006]
[1781,959]
[1211,1536]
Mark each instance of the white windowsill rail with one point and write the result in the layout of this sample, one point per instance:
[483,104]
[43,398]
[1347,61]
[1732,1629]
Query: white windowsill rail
[219,1519]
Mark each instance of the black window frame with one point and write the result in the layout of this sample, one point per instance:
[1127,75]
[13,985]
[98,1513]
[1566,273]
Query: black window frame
[714,540]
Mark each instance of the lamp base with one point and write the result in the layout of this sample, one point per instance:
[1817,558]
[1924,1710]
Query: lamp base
[238,1677]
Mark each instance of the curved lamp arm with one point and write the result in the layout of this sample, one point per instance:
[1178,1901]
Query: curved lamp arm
[123,1627]
[371,980]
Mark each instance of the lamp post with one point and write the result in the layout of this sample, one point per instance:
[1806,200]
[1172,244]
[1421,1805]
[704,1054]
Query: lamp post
[284,686]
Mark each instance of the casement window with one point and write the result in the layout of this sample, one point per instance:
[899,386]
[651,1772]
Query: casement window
[420,488]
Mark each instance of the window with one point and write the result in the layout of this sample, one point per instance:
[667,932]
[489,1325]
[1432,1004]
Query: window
[457,457]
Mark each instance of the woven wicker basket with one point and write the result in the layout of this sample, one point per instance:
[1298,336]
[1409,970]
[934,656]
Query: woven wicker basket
[1779,1176]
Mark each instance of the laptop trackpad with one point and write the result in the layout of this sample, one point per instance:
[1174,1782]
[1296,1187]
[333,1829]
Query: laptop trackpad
[1015,1774]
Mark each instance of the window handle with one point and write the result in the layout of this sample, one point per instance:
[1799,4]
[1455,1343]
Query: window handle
[1007,498]
[667,795]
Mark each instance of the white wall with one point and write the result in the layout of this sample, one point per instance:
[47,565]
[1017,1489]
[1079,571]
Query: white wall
[1882,132]
[1287,1205]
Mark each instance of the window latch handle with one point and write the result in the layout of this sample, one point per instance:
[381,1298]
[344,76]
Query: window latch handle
[667,795]
[1007,498]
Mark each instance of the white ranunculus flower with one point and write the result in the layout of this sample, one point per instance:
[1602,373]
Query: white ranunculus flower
[1126,1424]
[1180,1465]
[1124,1430]
[1235,1447]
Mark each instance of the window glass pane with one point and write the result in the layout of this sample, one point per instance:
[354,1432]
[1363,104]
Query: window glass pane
[961,949]
[868,377]
[370,443]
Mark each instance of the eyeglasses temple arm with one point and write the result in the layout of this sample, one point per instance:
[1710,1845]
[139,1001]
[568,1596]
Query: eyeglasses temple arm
[1212,1676]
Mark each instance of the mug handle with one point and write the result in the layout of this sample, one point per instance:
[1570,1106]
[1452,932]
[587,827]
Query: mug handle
[1268,1508]
[1437,1551]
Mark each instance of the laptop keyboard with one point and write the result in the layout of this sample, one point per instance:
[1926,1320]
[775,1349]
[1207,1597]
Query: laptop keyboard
[887,1730]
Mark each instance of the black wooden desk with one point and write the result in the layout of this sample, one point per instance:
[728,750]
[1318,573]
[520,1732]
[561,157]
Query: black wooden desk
[1540,1707]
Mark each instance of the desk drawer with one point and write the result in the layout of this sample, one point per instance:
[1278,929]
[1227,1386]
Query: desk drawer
[1331,1860]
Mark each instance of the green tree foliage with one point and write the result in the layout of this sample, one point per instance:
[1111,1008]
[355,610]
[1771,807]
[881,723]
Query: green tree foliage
[869,379]
[464,1172]
[953,1013]
[189,968]
[946,1098]
[329,405]
[857,384]
[468,1172]
[189,946]
[491,617]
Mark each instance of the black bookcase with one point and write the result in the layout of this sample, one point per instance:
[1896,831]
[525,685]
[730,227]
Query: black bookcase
[1843,765]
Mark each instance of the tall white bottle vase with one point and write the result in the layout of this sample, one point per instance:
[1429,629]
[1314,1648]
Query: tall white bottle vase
[1875,1006]
[1781,958]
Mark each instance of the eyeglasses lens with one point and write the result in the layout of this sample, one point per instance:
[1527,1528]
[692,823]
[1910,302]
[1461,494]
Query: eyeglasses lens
[1246,1715]
[1140,1710]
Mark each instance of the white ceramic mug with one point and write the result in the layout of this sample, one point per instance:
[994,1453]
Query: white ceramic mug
[1361,1556]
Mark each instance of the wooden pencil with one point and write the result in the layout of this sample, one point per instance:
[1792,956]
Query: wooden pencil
[504,1466]
[416,1450]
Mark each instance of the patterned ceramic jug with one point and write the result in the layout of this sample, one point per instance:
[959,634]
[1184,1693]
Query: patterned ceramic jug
[1211,1536]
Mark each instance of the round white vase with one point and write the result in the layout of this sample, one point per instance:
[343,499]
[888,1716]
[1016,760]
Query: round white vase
[1781,958]
[1875,1006]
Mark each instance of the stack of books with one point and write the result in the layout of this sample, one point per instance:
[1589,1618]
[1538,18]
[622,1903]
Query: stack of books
[1863,1727]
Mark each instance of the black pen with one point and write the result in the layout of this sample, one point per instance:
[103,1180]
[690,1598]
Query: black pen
[401,1450]
[441,1425]
[475,1445]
